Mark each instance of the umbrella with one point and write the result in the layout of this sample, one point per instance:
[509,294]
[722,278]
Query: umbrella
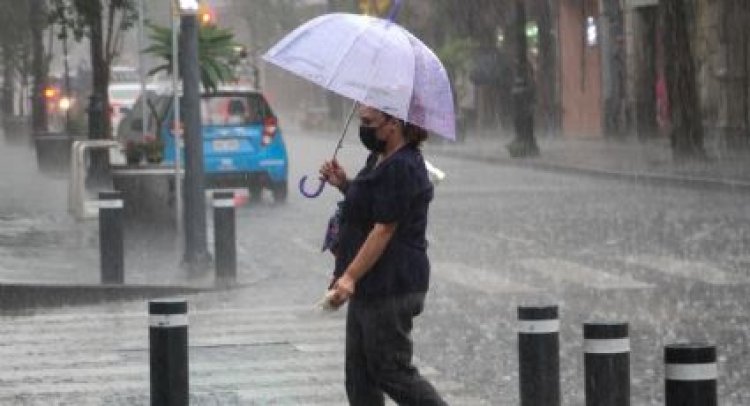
[372,61]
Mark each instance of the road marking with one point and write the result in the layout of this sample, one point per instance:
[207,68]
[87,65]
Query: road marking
[557,270]
[478,279]
[696,270]
[277,353]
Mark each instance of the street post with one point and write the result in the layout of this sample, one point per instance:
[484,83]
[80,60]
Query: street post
[196,257]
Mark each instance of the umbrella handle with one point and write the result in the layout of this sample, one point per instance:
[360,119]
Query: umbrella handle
[393,13]
[307,194]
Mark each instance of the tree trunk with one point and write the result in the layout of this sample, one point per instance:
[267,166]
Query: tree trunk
[733,80]
[37,13]
[524,144]
[98,109]
[645,72]
[547,72]
[613,68]
[8,78]
[687,127]
[99,106]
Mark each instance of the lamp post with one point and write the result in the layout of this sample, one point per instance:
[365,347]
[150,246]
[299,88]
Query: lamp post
[196,257]
[524,144]
[177,128]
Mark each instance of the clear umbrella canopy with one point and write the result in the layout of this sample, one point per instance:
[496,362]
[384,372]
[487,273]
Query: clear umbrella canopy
[372,61]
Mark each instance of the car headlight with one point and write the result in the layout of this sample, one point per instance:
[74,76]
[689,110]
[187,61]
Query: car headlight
[65,103]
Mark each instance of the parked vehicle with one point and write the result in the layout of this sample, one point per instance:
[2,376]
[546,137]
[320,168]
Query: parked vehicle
[124,89]
[122,96]
[242,141]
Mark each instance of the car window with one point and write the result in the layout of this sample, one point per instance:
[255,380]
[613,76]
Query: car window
[123,94]
[233,109]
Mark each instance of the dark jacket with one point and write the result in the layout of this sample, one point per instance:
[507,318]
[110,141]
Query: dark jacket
[398,190]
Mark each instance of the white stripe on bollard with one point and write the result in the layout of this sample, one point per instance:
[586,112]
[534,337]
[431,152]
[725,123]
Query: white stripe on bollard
[106,204]
[224,203]
[606,346]
[692,372]
[167,320]
[538,326]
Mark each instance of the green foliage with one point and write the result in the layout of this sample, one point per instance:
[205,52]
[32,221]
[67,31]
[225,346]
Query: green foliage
[216,53]
[15,35]
[456,54]
[151,149]
[77,15]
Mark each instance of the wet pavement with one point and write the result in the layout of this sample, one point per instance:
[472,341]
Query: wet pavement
[672,261]
[643,161]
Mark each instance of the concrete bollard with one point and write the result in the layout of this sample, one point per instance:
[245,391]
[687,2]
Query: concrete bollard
[606,364]
[690,375]
[225,241]
[111,242]
[539,356]
[168,351]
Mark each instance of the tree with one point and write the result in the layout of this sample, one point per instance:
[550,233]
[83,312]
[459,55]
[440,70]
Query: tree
[644,64]
[687,127]
[37,25]
[524,144]
[14,37]
[485,24]
[217,53]
[613,68]
[548,109]
[87,18]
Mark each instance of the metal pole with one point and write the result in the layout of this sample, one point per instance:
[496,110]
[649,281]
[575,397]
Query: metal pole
[539,356]
[141,69]
[176,130]
[196,256]
[606,357]
[168,352]
[111,246]
[66,67]
[690,375]
[225,241]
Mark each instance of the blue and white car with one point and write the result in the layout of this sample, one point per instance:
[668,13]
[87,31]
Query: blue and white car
[242,141]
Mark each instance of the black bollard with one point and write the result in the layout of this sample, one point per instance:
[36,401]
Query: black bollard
[168,346]
[690,375]
[606,357]
[225,243]
[111,251]
[539,356]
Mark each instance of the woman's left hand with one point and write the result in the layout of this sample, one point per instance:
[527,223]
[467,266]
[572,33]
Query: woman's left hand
[342,290]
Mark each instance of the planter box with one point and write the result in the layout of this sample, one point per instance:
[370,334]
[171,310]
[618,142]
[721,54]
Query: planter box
[53,152]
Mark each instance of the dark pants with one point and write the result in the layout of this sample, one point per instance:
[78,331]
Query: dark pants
[379,351]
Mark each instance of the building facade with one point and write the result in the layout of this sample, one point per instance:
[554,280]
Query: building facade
[590,71]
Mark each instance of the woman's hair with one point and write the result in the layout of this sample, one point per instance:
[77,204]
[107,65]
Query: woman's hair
[413,134]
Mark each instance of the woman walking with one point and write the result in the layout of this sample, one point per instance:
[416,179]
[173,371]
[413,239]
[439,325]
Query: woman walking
[382,267]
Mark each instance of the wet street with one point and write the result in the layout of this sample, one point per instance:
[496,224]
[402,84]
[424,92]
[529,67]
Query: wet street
[671,261]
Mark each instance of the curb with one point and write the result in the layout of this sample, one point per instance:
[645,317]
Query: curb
[642,178]
[16,296]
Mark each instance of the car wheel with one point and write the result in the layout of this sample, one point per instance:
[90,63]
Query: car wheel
[280,192]
[256,190]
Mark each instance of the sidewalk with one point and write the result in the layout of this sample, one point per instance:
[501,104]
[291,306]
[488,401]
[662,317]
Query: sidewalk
[647,162]
[45,254]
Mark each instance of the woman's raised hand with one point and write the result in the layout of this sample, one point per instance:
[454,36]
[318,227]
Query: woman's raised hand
[333,173]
